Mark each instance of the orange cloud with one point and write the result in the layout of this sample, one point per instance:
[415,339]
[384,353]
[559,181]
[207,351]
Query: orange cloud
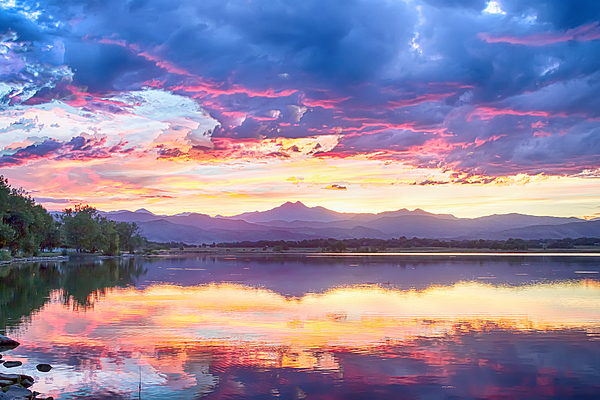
[335,187]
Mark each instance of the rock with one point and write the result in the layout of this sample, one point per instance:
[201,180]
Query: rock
[6,341]
[26,383]
[15,378]
[12,364]
[44,367]
[5,382]
[16,392]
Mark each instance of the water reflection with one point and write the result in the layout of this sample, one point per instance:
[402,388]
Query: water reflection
[25,288]
[233,332]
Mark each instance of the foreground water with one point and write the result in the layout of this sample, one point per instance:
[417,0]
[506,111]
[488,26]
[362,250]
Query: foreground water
[416,327]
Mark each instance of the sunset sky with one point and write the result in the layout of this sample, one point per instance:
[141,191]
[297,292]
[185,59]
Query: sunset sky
[224,106]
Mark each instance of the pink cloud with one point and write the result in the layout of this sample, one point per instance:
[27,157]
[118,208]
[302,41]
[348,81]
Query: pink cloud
[329,103]
[213,89]
[80,148]
[583,33]
[420,99]
[487,113]
[166,65]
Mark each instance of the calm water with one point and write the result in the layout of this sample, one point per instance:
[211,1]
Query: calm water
[413,327]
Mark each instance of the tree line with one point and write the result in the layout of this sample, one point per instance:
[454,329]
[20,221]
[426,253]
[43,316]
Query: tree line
[28,228]
[366,245]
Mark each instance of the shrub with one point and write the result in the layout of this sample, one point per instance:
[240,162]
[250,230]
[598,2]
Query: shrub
[5,255]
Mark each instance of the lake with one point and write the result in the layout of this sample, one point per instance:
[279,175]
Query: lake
[308,327]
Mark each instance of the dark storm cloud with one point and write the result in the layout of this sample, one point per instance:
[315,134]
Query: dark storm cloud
[501,87]
[81,148]
[394,140]
[561,14]
[102,66]
[30,153]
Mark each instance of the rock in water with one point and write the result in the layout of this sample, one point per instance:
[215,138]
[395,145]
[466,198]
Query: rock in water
[7,343]
[44,367]
[12,364]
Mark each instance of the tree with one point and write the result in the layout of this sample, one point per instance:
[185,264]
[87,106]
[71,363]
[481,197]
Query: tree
[110,237]
[24,225]
[338,246]
[81,228]
[84,229]
[129,236]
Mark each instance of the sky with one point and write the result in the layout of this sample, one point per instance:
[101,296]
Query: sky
[225,106]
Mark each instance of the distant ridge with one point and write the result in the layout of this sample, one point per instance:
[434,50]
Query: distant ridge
[296,221]
[293,212]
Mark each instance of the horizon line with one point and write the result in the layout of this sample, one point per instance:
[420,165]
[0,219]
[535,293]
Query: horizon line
[219,215]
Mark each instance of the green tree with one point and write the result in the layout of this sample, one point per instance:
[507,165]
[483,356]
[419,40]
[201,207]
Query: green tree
[110,237]
[129,236]
[7,233]
[24,225]
[81,228]
[338,246]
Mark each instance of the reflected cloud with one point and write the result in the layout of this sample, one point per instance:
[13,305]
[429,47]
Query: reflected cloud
[226,338]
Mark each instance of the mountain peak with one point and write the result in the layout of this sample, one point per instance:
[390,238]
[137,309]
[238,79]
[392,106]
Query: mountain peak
[293,205]
[292,211]
[143,211]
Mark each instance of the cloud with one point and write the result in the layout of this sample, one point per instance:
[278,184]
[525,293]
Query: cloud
[80,148]
[26,69]
[582,33]
[51,200]
[456,85]
[335,187]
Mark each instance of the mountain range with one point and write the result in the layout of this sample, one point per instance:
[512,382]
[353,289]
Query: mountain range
[296,221]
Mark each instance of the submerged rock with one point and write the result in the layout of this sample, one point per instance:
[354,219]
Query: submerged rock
[44,367]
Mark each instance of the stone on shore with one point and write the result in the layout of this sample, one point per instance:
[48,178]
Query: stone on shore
[16,392]
[12,364]
[15,378]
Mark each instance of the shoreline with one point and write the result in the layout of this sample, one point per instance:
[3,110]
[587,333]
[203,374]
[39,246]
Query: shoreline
[34,259]
[306,252]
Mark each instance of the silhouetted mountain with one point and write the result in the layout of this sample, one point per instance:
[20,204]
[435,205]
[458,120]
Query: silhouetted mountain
[570,230]
[291,212]
[295,221]
[400,213]
[129,216]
